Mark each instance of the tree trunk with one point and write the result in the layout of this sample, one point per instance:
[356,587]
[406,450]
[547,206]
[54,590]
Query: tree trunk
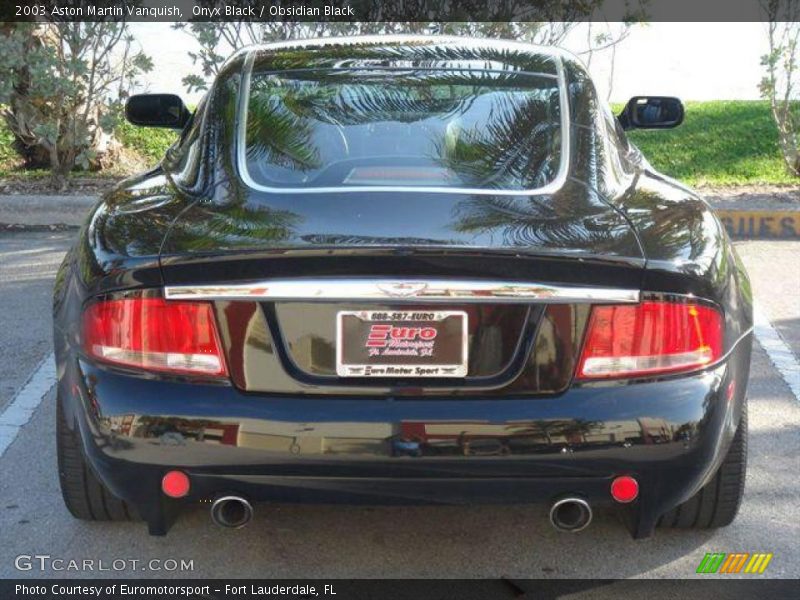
[59,169]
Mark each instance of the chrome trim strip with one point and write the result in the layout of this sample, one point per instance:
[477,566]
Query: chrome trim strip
[750,330]
[241,152]
[402,291]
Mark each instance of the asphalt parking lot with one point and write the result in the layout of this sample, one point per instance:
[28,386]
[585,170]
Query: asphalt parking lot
[326,542]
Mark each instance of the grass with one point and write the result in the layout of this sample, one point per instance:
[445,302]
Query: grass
[721,143]
[149,143]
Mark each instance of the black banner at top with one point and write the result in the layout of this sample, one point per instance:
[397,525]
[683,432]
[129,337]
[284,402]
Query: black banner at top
[395,10]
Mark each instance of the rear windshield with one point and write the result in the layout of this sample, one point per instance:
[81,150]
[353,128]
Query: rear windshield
[388,128]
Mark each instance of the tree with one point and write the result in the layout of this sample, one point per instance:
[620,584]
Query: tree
[217,40]
[779,85]
[63,85]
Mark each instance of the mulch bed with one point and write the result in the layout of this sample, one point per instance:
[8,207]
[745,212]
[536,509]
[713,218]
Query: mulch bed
[762,197]
[15,227]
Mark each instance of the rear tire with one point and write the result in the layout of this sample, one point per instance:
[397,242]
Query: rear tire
[84,494]
[717,503]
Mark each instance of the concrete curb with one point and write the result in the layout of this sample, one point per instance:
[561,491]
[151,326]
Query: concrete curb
[761,224]
[40,211]
[758,213]
[759,220]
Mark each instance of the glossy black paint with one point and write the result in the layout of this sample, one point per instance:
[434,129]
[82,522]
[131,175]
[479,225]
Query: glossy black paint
[528,434]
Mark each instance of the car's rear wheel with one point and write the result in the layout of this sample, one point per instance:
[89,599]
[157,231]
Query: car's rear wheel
[84,494]
[717,503]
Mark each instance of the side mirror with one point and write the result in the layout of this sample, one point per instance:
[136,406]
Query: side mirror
[157,110]
[651,112]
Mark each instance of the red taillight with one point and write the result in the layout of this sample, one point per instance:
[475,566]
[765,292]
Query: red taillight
[650,338]
[153,334]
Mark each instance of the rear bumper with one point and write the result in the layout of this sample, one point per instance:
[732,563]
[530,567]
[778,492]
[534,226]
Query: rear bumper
[670,434]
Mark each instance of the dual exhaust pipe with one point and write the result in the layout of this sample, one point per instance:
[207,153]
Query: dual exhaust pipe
[232,512]
[568,514]
[571,514]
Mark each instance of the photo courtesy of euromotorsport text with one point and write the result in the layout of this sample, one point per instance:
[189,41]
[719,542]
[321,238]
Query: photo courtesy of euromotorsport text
[420,299]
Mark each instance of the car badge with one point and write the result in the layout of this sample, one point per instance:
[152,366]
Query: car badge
[402,289]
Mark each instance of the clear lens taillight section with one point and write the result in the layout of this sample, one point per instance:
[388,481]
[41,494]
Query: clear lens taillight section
[155,335]
[650,338]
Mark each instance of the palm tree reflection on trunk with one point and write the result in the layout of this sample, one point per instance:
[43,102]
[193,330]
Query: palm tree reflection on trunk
[562,221]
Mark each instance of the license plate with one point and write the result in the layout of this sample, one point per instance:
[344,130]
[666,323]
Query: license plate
[415,343]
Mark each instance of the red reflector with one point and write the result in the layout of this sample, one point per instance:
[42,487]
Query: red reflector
[175,484]
[650,338]
[624,489]
[730,392]
[153,334]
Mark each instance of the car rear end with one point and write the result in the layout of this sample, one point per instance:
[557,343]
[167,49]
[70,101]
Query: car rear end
[269,391]
[407,331]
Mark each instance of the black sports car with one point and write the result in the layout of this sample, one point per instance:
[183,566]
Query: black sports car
[403,270]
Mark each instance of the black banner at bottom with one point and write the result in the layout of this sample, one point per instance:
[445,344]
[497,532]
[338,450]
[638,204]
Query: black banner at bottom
[396,589]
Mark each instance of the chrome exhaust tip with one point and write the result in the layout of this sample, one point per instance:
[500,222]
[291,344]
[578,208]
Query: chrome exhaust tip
[571,514]
[231,511]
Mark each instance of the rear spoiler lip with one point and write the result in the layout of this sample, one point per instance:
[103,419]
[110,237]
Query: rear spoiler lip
[419,291]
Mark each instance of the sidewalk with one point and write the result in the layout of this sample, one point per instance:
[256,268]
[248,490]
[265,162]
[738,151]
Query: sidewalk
[746,214]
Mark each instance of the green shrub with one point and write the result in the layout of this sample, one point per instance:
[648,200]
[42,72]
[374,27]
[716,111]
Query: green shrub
[8,156]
